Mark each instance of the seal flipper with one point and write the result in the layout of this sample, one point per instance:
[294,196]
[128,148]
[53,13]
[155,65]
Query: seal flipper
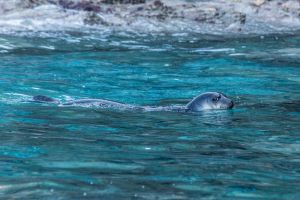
[44,99]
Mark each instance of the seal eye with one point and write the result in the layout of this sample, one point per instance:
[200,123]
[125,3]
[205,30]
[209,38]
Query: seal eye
[216,99]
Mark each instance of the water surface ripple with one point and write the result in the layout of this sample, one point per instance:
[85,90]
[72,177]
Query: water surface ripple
[50,152]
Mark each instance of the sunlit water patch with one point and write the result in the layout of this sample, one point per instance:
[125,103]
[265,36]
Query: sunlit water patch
[52,152]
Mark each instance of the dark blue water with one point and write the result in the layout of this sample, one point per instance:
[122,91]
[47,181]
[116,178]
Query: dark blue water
[51,152]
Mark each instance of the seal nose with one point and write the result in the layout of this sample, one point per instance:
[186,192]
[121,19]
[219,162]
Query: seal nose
[231,104]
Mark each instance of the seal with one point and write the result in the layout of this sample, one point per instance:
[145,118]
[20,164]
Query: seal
[205,101]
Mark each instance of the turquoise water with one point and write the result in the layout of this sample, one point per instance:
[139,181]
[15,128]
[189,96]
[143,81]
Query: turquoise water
[51,152]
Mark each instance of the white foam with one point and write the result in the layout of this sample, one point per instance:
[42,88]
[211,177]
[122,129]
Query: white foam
[47,47]
[12,98]
[7,46]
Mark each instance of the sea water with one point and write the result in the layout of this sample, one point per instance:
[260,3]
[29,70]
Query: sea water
[52,152]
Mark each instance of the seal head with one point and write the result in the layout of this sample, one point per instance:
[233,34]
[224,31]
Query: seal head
[209,101]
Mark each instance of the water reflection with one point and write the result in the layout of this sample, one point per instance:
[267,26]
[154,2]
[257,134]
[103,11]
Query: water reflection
[214,117]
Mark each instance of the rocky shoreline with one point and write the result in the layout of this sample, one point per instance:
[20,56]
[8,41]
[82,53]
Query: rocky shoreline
[215,17]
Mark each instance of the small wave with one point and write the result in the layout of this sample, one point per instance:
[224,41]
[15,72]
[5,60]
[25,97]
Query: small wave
[215,50]
[96,165]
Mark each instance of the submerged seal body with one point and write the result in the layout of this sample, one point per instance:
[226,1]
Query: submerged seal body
[205,101]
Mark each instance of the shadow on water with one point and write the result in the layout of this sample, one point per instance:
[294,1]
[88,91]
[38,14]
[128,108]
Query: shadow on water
[291,106]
